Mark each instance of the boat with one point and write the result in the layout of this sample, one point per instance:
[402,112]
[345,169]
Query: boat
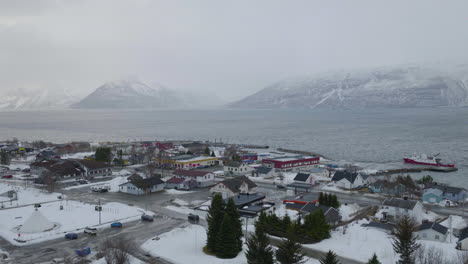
[427,160]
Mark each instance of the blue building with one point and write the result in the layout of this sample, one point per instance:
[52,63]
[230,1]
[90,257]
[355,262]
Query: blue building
[437,193]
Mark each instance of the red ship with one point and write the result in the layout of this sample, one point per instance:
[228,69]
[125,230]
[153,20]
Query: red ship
[427,160]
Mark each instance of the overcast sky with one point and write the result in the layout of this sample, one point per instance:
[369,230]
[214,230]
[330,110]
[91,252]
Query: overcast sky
[232,48]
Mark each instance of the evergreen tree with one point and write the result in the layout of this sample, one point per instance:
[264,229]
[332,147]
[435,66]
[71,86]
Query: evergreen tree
[213,154]
[328,199]
[374,260]
[214,219]
[316,226]
[103,154]
[334,202]
[321,198]
[330,258]
[189,152]
[4,158]
[233,213]
[259,250]
[289,252]
[226,240]
[286,223]
[404,242]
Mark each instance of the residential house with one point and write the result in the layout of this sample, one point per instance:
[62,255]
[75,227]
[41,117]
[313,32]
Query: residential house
[234,186]
[143,186]
[332,215]
[304,178]
[349,180]
[47,155]
[432,231]
[394,209]
[202,178]
[249,205]
[437,193]
[462,243]
[385,227]
[388,188]
[264,172]
[134,176]
[237,168]
[189,161]
[59,168]
[318,172]
[180,183]
[94,168]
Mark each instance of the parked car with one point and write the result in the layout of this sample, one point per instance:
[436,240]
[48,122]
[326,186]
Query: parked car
[82,182]
[279,186]
[7,176]
[147,217]
[90,231]
[37,205]
[193,218]
[116,225]
[71,236]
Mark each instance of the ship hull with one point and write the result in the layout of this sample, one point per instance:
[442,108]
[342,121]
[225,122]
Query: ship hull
[412,161]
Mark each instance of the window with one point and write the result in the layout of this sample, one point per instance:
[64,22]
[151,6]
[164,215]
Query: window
[437,237]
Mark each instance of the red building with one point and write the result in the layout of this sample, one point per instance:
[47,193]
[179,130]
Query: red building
[291,162]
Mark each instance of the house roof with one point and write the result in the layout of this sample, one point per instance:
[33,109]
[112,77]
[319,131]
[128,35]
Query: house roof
[235,183]
[350,176]
[463,234]
[233,163]
[146,183]
[317,170]
[175,180]
[302,177]
[400,203]
[134,176]
[242,200]
[434,226]
[447,189]
[191,173]
[263,170]
[387,184]
[331,214]
[379,225]
[92,164]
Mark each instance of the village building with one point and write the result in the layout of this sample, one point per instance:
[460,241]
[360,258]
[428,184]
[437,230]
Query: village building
[462,243]
[318,172]
[202,178]
[291,163]
[332,215]
[349,180]
[394,209]
[237,168]
[232,187]
[190,162]
[143,186]
[388,188]
[264,172]
[180,183]
[59,169]
[94,168]
[432,231]
[438,193]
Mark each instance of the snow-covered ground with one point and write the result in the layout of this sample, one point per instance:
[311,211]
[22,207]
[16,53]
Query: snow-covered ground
[79,155]
[75,215]
[26,195]
[191,241]
[184,207]
[359,243]
[113,184]
[347,211]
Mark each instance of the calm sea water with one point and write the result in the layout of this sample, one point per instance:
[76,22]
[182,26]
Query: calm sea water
[370,137]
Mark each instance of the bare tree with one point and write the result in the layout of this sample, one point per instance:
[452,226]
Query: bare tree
[430,255]
[117,250]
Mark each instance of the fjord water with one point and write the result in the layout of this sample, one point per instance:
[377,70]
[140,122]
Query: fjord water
[366,136]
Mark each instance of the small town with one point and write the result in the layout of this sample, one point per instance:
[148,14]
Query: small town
[211,202]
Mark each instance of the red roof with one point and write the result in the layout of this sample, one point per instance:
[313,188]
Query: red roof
[190,173]
[175,180]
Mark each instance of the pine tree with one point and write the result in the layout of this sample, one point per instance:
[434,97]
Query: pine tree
[330,258]
[334,202]
[259,250]
[233,213]
[286,223]
[316,226]
[289,251]
[214,219]
[226,241]
[321,198]
[404,242]
[4,158]
[103,154]
[374,260]
[207,151]
[213,154]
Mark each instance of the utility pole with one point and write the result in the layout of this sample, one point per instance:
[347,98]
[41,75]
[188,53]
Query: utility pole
[99,209]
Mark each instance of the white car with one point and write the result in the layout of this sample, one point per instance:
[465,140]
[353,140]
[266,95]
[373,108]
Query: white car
[90,231]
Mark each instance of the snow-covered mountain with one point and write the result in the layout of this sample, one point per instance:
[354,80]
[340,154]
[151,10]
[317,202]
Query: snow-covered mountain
[394,87]
[129,94]
[29,99]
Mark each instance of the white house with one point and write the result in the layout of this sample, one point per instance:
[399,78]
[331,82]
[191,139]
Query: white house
[432,231]
[237,168]
[318,172]
[396,208]
[143,186]
[349,180]
[232,187]
[203,178]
